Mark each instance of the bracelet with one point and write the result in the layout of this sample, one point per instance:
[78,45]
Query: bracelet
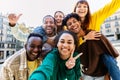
[84,39]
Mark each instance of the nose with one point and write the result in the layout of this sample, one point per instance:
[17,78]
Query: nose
[72,25]
[65,45]
[58,18]
[36,49]
[48,24]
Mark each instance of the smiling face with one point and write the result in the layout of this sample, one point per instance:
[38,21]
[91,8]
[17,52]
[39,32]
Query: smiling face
[33,48]
[58,18]
[49,25]
[65,45]
[82,9]
[73,25]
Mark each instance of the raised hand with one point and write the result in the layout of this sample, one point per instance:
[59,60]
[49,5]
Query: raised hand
[70,63]
[13,18]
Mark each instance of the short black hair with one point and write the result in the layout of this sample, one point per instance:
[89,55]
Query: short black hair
[47,17]
[35,35]
[68,16]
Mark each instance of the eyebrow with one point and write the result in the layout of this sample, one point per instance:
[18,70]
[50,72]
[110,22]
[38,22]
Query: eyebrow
[68,40]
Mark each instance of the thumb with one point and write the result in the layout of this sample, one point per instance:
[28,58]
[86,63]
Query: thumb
[78,56]
[19,16]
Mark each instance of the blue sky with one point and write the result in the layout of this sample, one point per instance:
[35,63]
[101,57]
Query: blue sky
[34,10]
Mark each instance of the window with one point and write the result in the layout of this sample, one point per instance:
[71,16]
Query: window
[115,17]
[117,30]
[108,30]
[1,23]
[0,38]
[1,32]
[107,25]
[116,24]
[1,54]
[1,45]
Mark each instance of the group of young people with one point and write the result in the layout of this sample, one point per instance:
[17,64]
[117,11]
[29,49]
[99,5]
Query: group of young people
[65,47]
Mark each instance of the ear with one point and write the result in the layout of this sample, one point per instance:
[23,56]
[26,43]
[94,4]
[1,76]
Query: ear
[25,46]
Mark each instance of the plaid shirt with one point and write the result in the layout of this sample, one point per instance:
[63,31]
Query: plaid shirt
[15,67]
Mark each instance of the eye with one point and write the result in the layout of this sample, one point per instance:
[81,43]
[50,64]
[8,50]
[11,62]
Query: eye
[85,6]
[61,16]
[32,46]
[61,41]
[69,42]
[78,6]
[74,21]
[69,24]
[45,22]
[51,22]
[56,16]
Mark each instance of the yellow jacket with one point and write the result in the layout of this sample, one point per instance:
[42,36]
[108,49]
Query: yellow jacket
[99,16]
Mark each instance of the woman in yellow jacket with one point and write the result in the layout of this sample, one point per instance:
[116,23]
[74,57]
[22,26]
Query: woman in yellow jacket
[94,22]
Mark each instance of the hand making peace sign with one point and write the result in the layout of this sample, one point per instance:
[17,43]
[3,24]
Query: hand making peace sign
[70,63]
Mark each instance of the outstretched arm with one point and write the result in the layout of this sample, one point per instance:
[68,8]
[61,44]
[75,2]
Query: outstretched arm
[17,29]
[99,16]
[18,34]
[45,70]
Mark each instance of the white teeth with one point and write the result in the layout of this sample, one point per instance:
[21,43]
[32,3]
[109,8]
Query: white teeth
[34,54]
[64,49]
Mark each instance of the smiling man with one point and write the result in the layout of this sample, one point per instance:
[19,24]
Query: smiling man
[21,64]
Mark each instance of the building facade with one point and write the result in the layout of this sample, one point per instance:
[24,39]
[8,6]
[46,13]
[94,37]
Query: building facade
[8,44]
[111,27]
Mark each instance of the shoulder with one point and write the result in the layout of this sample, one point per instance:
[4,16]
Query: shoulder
[14,59]
[53,53]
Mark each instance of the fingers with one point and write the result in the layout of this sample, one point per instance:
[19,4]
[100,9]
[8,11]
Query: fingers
[70,63]
[97,34]
[19,16]
[14,16]
[78,56]
[11,16]
[93,35]
[72,52]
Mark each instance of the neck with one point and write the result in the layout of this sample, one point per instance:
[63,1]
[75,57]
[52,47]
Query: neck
[64,57]
[82,19]
[51,35]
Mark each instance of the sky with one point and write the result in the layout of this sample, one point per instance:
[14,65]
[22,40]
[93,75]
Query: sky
[34,10]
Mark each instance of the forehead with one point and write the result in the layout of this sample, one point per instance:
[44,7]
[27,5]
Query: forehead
[59,13]
[66,36]
[34,39]
[48,18]
[82,3]
[71,19]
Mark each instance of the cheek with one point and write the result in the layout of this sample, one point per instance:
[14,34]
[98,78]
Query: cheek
[58,45]
[28,49]
[69,28]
